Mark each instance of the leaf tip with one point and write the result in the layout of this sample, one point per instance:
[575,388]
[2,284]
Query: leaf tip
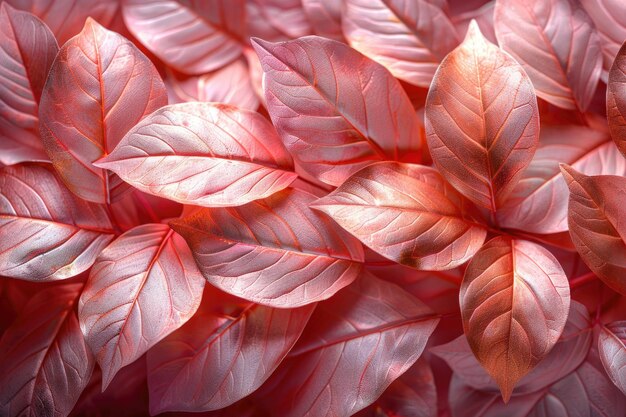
[569,173]
[260,45]
[473,31]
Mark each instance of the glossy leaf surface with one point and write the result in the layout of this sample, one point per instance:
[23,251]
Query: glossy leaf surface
[226,355]
[142,287]
[595,218]
[616,100]
[275,251]
[371,331]
[356,114]
[47,232]
[99,87]
[409,37]
[556,43]
[481,120]
[27,49]
[514,303]
[45,362]
[407,213]
[612,352]
[192,36]
[213,154]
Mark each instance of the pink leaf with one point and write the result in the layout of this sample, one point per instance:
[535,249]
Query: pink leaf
[277,20]
[47,232]
[325,17]
[612,351]
[213,154]
[407,213]
[481,120]
[483,16]
[409,37]
[556,43]
[356,344]
[356,114]
[192,36]
[142,287]
[275,251]
[221,356]
[27,49]
[609,17]
[99,87]
[45,363]
[616,100]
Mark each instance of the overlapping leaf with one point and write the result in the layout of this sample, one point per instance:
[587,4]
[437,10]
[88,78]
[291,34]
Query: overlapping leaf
[616,100]
[325,17]
[277,20]
[45,362]
[481,120]
[192,36]
[99,86]
[27,49]
[355,345]
[142,287]
[221,355]
[407,213]
[556,43]
[47,232]
[596,224]
[514,303]
[335,124]
[275,251]
[609,17]
[213,154]
[409,37]
[537,203]
[612,352]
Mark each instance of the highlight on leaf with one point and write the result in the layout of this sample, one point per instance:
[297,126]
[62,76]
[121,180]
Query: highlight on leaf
[616,99]
[612,352]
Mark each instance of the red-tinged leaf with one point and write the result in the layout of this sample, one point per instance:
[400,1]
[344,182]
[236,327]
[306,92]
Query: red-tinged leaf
[275,251]
[230,85]
[27,49]
[221,356]
[537,204]
[44,362]
[214,155]
[408,214]
[47,232]
[409,37]
[616,100]
[335,124]
[100,86]
[413,394]
[325,17]
[277,20]
[66,18]
[566,355]
[484,18]
[609,17]
[597,225]
[138,208]
[142,287]
[612,352]
[192,36]
[514,302]
[556,43]
[356,344]
[481,120]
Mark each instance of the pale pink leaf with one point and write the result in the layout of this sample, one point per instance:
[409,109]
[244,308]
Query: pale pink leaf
[277,20]
[325,17]
[609,17]
[612,351]
[616,100]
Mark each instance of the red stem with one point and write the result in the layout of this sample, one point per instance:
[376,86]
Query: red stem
[582,280]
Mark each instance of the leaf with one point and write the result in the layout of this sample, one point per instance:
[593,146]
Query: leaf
[213,154]
[230,85]
[325,17]
[514,303]
[45,363]
[556,43]
[275,251]
[47,232]
[223,355]
[407,213]
[191,36]
[536,204]
[142,287]
[277,20]
[481,120]
[566,355]
[609,18]
[355,345]
[65,18]
[409,37]
[27,49]
[333,125]
[616,100]
[100,86]
[612,352]
[596,224]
